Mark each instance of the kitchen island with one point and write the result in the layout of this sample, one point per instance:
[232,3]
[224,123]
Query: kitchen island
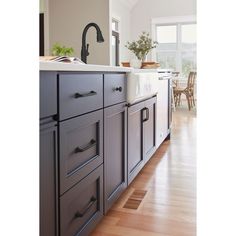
[94,139]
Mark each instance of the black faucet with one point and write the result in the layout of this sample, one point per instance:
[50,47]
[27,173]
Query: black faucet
[84,49]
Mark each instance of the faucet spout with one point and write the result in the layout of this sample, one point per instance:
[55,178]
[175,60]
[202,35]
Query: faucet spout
[84,48]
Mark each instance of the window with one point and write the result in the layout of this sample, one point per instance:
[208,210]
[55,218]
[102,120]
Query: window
[115,42]
[177,46]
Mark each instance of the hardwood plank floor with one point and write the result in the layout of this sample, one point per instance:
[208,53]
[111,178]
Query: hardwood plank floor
[169,206]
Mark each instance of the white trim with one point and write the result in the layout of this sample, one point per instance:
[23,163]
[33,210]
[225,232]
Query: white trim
[174,19]
[117,19]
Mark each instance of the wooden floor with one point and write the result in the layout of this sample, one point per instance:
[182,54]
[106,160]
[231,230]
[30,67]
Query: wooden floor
[169,206]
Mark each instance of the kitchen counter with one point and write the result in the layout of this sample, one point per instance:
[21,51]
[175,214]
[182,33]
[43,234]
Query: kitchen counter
[60,66]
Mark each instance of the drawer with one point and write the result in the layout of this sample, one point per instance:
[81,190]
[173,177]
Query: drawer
[48,94]
[82,206]
[81,147]
[114,89]
[79,94]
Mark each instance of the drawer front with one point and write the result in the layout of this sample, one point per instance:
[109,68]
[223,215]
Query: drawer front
[82,206]
[81,148]
[79,94]
[48,94]
[114,89]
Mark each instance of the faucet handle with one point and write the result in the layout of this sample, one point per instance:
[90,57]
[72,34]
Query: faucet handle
[87,48]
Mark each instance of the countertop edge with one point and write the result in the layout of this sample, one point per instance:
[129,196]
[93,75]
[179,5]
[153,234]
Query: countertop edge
[58,66]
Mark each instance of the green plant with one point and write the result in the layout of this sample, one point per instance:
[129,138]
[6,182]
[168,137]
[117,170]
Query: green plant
[59,50]
[142,46]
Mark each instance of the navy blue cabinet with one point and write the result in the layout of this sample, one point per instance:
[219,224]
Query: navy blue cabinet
[115,153]
[48,155]
[141,135]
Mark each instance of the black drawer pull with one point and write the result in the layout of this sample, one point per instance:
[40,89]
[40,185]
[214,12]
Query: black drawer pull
[81,214]
[118,89]
[91,144]
[79,95]
[147,114]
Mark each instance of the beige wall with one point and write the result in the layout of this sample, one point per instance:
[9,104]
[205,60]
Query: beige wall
[67,19]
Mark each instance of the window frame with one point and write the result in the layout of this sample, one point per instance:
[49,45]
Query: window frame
[178,22]
[116,33]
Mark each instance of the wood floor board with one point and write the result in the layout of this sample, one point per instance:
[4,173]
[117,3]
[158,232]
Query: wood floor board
[168,207]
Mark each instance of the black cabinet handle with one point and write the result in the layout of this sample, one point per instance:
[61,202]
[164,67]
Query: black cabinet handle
[118,89]
[81,214]
[91,144]
[147,114]
[79,95]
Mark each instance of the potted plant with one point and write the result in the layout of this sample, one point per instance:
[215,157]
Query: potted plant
[141,48]
[59,50]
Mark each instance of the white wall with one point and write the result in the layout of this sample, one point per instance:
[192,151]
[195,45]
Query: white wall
[121,12]
[145,10]
[67,20]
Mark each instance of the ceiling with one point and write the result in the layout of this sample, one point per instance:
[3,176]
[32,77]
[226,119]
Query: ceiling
[130,3]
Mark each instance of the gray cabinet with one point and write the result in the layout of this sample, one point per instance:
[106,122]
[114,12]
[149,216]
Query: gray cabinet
[81,147]
[141,135]
[48,94]
[149,129]
[48,179]
[79,93]
[115,157]
[135,140]
[48,157]
[81,208]
[115,86]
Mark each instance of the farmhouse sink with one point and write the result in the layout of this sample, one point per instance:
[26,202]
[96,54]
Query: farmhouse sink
[141,85]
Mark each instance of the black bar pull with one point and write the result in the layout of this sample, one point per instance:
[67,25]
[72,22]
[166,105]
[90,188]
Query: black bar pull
[81,214]
[92,143]
[147,114]
[118,89]
[79,95]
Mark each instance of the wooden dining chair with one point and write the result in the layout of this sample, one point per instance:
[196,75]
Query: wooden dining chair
[187,91]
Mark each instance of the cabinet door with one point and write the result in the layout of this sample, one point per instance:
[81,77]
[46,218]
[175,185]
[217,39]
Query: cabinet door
[115,158]
[135,140]
[162,112]
[48,180]
[149,128]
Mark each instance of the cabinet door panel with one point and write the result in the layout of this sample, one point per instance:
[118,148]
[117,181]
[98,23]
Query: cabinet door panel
[81,147]
[115,158]
[48,180]
[150,129]
[135,140]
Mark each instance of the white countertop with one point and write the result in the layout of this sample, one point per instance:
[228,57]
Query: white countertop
[60,66]
[75,66]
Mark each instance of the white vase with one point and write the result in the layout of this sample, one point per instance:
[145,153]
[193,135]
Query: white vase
[136,63]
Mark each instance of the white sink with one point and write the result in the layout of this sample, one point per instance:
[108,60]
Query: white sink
[141,85]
